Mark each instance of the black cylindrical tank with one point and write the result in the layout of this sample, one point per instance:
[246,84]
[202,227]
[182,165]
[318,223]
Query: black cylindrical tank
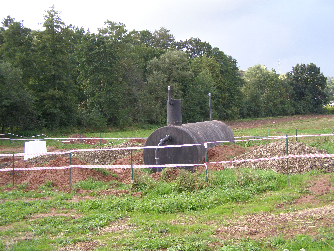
[192,133]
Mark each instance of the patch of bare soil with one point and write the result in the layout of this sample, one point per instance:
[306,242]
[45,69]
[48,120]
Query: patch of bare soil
[120,225]
[85,245]
[223,153]
[258,226]
[117,226]
[316,189]
[306,221]
[54,213]
[60,178]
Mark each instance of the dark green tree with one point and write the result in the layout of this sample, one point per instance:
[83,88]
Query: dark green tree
[16,47]
[194,47]
[98,75]
[228,101]
[16,103]
[308,88]
[206,73]
[53,82]
[163,39]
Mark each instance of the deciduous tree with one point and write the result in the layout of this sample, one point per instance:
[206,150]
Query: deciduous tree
[265,94]
[308,88]
[170,69]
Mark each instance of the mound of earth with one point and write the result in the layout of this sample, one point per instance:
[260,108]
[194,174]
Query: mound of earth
[60,178]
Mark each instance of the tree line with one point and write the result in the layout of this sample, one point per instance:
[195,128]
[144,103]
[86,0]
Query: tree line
[64,76]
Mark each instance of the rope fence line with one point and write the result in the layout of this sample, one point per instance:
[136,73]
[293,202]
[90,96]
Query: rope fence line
[287,156]
[171,165]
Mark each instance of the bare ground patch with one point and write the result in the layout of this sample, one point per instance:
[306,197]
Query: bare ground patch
[306,221]
[288,225]
[56,213]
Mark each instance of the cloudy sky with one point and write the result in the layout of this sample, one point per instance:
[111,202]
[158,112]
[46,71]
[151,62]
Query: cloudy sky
[253,32]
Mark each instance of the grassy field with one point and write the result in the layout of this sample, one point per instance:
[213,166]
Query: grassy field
[243,209]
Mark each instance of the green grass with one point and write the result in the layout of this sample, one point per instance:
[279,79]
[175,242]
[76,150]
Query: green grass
[171,218]
[111,138]
[304,127]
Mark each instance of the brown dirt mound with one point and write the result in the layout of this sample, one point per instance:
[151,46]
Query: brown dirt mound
[60,178]
[223,153]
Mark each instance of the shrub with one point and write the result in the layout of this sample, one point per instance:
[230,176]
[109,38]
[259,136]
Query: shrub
[329,109]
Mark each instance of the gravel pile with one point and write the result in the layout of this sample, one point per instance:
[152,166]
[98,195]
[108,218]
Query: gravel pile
[97,157]
[296,165]
[105,156]
[44,159]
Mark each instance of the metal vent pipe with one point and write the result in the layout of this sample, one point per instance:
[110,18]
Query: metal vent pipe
[174,111]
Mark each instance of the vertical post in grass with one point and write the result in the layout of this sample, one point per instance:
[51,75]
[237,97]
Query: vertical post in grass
[131,166]
[287,161]
[296,134]
[13,168]
[206,160]
[69,170]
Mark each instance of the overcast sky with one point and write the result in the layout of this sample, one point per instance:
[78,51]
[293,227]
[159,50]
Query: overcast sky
[253,32]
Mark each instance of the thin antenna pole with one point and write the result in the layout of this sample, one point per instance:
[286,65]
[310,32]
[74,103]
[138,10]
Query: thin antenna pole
[169,96]
[210,106]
